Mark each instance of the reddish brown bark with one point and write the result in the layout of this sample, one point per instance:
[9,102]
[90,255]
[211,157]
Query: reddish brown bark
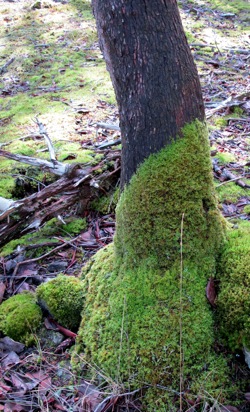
[153,74]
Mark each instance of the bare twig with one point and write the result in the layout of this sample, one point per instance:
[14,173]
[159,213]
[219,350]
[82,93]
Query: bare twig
[66,243]
[47,139]
[108,126]
[108,144]
[101,405]
[233,180]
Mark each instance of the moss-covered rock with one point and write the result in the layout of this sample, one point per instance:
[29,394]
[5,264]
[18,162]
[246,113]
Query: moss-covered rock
[233,299]
[63,297]
[20,317]
[146,292]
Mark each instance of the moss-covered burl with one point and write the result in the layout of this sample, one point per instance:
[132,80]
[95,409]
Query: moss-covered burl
[146,292]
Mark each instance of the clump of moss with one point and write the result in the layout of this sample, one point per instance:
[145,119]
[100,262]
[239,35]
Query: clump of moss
[233,299]
[74,226]
[106,204]
[7,185]
[230,192]
[225,157]
[63,297]
[247,209]
[20,317]
[133,310]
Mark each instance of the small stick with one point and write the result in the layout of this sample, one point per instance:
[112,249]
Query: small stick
[69,242]
[47,139]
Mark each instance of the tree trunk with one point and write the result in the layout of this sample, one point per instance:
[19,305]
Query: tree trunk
[153,74]
[146,319]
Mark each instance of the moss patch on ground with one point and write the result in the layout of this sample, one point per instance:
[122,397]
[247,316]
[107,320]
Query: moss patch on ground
[233,299]
[230,192]
[56,68]
[20,317]
[63,297]
[140,290]
[47,233]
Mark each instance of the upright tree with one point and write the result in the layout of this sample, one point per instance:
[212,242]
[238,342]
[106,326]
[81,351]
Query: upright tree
[153,74]
[146,321]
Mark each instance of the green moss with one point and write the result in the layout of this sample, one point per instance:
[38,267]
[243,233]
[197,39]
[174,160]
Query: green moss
[63,297]
[79,155]
[75,226]
[238,111]
[53,227]
[247,209]
[225,157]
[106,204]
[131,319]
[20,316]
[233,299]
[230,192]
[83,6]
[162,193]
[220,121]
[7,185]
[235,6]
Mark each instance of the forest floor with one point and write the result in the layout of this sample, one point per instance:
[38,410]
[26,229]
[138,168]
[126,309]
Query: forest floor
[51,68]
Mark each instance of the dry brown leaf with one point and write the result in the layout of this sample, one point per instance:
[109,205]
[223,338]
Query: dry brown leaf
[210,292]
[9,345]
[11,359]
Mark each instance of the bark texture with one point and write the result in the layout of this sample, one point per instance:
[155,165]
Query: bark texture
[153,74]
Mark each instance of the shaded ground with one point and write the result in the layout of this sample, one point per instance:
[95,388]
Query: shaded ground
[50,65]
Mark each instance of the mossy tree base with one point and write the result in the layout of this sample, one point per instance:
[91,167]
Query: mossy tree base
[145,291]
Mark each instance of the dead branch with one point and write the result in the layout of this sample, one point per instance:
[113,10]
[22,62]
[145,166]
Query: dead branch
[228,103]
[54,167]
[31,212]
[108,126]
[5,203]
[57,168]
[3,69]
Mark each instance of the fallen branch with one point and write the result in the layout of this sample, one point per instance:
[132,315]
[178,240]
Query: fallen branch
[3,69]
[56,168]
[228,176]
[76,186]
[228,103]
[108,126]
[31,212]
